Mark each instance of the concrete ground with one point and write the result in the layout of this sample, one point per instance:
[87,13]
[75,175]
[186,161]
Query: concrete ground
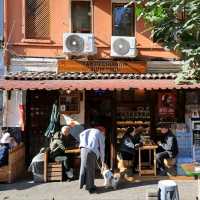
[137,190]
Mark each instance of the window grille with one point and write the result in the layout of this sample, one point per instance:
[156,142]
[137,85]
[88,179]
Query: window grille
[37,19]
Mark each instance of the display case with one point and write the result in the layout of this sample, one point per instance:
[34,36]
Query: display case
[135,118]
[132,111]
[70,102]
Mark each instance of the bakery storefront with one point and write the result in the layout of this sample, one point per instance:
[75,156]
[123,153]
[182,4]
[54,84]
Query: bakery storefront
[117,100]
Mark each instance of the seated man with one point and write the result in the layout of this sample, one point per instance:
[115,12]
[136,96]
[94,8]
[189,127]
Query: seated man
[57,153]
[167,147]
[73,127]
[129,146]
[7,142]
[68,139]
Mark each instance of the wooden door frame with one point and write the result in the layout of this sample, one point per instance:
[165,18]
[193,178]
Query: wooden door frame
[112,138]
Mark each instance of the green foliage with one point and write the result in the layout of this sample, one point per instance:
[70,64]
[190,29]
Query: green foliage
[176,24]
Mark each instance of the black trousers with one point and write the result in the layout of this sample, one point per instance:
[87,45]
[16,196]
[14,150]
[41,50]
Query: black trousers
[131,156]
[87,169]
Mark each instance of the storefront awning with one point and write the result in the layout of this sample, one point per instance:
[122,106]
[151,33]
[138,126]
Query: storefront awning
[93,84]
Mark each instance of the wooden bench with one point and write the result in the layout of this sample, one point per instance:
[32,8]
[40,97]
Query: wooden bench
[16,165]
[170,162]
[53,171]
[75,160]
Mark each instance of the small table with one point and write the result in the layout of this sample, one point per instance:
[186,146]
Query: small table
[152,169]
[189,169]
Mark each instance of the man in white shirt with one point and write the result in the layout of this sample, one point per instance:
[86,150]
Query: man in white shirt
[92,144]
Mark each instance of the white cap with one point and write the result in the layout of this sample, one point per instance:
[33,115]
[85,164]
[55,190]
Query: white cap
[67,119]
[5,138]
[63,129]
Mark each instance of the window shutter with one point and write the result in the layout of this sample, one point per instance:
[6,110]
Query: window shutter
[37,19]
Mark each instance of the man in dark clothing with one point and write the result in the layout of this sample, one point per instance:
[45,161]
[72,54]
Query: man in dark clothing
[6,142]
[167,147]
[4,149]
[129,146]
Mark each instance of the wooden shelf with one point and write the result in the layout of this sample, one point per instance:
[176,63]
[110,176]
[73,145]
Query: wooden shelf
[127,123]
[70,103]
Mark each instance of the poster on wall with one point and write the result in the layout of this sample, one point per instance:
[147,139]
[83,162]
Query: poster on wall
[167,105]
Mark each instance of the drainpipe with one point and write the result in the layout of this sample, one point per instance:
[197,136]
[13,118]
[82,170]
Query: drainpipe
[5,52]
[5,59]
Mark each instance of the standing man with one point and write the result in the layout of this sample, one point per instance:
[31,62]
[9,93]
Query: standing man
[92,145]
[167,147]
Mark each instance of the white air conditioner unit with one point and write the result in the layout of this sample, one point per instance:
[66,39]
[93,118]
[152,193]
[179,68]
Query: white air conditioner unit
[79,43]
[123,47]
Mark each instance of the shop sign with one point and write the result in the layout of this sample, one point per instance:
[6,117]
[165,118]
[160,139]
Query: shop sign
[102,66]
[167,104]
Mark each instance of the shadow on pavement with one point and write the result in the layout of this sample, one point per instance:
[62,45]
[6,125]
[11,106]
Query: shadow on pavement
[125,185]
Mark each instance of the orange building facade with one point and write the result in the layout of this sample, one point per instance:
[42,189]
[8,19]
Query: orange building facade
[41,68]
[59,21]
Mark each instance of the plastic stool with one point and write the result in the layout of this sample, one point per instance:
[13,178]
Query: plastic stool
[168,190]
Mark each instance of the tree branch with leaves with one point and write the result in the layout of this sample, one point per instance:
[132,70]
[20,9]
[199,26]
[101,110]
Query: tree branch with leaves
[176,24]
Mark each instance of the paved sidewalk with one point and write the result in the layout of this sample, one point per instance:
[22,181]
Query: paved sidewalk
[27,190]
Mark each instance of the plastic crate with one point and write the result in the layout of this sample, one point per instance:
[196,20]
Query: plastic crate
[179,171]
[179,162]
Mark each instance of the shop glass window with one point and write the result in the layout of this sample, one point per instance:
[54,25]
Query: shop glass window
[123,20]
[81,16]
[37,19]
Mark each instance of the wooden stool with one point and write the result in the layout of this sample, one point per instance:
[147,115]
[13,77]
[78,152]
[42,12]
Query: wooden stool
[148,168]
[170,165]
[170,162]
[16,165]
[53,171]
[125,168]
[124,164]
